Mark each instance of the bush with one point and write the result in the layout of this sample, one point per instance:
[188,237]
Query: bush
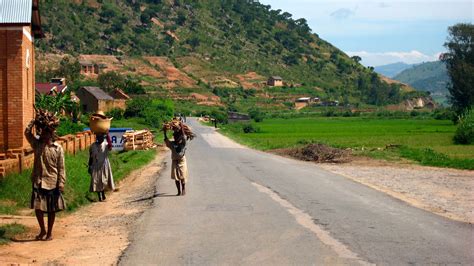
[444,114]
[465,131]
[250,128]
[116,113]
[135,107]
[66,126]
[220,116]
[256,114]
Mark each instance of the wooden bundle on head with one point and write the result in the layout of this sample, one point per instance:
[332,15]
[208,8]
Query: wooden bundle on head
[176,126]
[45,121]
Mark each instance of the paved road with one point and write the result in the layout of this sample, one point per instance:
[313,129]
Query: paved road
[249,207]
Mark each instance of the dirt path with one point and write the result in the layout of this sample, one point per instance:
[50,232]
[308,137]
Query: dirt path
[443,191]
[95,234]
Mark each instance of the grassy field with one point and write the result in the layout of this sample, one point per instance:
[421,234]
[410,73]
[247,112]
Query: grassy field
[15,189]
[426,141]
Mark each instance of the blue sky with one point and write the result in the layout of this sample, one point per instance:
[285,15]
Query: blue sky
[384,31]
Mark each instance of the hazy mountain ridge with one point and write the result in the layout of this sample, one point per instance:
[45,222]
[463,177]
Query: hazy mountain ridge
[391,70]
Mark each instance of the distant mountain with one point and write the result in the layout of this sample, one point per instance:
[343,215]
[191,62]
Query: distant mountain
[391,70]
[429,76]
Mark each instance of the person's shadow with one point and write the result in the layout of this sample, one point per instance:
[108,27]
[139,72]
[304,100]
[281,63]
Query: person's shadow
[156,195]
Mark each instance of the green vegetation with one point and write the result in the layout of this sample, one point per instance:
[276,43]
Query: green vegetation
[429,76]
[459,61]
[465,131]
[221,37]
[15,189]
[8,231]
[421,139]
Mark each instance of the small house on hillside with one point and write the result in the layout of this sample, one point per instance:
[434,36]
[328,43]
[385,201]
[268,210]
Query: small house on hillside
[57,85]
[275,81]
[89,68]
[94,99]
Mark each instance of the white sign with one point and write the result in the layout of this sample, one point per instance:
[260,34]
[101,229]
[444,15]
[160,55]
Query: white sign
[116,134]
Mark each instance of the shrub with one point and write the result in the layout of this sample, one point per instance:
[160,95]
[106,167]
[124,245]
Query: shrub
[116,113]
[250,128]
[444,114]
[220,116]
[66,126]
[256,114]
[135,107]
[465,131]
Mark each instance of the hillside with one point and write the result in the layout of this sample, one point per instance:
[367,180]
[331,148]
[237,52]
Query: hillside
[214,43]
[429,76]
[391,70]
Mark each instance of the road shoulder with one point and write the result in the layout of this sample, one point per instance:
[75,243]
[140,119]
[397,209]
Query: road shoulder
[95,234]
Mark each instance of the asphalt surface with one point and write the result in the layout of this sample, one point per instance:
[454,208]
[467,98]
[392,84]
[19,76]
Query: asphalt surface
[249,207]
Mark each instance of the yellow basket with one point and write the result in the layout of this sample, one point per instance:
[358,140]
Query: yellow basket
[99,125]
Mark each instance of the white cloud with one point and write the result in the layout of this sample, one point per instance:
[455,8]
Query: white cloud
[384,58]
[342,13]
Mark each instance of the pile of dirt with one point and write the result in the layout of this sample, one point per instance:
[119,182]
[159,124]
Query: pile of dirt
[317,152]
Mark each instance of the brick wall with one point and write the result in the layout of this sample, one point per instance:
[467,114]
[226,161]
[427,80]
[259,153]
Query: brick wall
[3,89]
[15,162]
[17,86]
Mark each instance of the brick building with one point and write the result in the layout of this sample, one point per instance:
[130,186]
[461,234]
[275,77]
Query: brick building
[20,23]
[275,81]
[94,99]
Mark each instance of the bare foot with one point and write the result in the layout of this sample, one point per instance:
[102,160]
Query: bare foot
[184,193]
[48,238]
[40,235]
[178,194]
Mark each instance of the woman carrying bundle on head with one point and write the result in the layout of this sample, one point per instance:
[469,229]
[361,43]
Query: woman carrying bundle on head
[48,176]
[179,170]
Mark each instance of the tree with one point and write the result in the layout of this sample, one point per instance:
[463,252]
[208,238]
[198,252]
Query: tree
[356,58]
[110,81]
[459,61]
[69,68]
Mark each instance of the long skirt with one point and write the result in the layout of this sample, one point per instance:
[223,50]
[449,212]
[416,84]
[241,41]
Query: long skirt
[179,170]
[102,178]
[47,200]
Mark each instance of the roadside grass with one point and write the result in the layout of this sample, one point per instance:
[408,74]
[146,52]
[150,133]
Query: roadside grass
[15,189]
[426,141]
[7,231]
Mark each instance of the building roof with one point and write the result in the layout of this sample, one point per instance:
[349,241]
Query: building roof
[47,88]
[21,12]
[98,93]
[276,77]
[119,94]
[84,62]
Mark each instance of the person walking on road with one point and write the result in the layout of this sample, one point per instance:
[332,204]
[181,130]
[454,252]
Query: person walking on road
[99,166]
[48,176]
[179,169]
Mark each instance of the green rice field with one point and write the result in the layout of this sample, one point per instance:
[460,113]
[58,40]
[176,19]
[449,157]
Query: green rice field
[426,141]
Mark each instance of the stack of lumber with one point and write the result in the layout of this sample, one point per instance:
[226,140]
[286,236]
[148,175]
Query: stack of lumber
[138,140]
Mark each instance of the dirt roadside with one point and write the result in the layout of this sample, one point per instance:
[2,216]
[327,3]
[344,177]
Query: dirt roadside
[95,234]
[443,191]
